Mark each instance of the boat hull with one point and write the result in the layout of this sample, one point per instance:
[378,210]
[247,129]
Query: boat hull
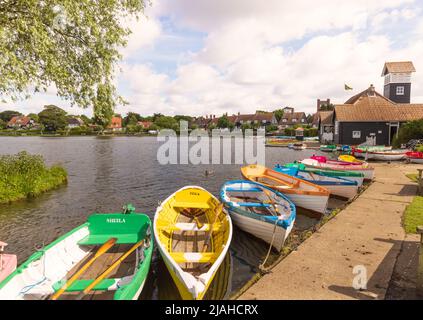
[261,229]
[368,173]
[317,203]
[416,160]
[9,263]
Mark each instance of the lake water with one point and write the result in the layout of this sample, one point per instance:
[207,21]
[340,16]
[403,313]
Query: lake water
[105,174]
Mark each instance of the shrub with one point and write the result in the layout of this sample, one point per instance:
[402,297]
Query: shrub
[24,175]
[410,130]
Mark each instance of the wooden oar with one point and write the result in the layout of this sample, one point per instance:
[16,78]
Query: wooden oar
[219,209]
[267,193]
[108,270]
[103,249]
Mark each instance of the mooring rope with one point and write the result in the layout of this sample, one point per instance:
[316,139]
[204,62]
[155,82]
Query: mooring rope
[261,266]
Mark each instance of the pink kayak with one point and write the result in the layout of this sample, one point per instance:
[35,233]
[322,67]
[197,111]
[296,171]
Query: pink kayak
[323,159]
[8,262]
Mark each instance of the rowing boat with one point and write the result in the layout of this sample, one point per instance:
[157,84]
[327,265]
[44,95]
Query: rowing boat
[349,158]
[337,186]
[328,148]
[323,159]
[302,193]
[350,175]
[47,271]
[8,262]
[367,172]
[193,233]
[261,211]
[393,155]
[415,157]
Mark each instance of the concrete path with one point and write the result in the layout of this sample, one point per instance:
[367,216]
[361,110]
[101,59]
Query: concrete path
[367,233]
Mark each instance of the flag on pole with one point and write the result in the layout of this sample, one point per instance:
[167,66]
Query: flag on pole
[347,87]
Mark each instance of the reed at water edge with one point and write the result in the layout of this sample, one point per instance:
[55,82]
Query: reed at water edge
[24,175]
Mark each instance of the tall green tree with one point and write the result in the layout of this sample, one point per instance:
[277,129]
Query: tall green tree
[73,45]
[34,117]
[223,122]
[53,118]
[278,114]
[131,119]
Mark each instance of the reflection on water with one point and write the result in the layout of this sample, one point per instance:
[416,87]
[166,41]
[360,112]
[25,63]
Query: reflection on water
[105,174]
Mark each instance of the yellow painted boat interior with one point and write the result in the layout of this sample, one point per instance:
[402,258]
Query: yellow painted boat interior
[185,223]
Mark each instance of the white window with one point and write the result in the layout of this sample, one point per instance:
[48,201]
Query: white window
[294,120]
[356,134]
[400,91]
[302,120]
[283,120]
[336,127]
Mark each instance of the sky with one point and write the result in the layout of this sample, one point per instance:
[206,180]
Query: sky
[202,57]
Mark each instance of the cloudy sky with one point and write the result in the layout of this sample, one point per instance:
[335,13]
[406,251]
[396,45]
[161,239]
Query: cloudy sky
[203,57]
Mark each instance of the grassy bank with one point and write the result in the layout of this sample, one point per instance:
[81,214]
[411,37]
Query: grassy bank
[24,176]
[413,216]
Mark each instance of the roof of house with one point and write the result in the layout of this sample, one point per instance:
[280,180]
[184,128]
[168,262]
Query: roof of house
[326,117]
[289,117]
[371,106]
[145,124]
[19,120]
[398,67]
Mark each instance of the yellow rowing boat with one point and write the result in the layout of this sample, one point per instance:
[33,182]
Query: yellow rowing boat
[193,233]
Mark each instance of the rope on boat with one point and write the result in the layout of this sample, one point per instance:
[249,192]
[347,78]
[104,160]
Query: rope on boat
[261,266]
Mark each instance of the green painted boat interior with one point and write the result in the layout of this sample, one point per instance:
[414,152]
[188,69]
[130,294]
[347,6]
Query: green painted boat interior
[81,284]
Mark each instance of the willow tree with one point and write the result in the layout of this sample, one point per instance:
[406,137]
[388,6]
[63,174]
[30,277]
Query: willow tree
[72,46]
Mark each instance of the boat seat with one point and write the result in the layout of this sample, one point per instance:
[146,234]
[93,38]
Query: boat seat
[194,257]
[103,238]
[81,284]
[286,186]
[254,204]
[194,205]
[182,226]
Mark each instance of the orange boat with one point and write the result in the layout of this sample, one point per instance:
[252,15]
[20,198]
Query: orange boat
[302,193]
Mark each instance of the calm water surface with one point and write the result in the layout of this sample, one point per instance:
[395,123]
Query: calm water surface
[105,174]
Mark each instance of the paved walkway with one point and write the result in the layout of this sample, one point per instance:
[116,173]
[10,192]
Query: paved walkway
[368,232]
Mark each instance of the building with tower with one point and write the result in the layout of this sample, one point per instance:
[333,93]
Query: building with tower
[369,117]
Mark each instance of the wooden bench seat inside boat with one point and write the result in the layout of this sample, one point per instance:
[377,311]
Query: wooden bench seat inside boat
[194,257]
[185,226]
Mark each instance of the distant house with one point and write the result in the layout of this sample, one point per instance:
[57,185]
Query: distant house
[325,125]
[258,119]
[145,124]
[115,125]
[291,118]
[20,122]
[75,122]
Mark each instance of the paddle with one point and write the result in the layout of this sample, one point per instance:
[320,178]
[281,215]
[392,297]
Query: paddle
[103,249]
[267,193]
[219,209]
[109,269]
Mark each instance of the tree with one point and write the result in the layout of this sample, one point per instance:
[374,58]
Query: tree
[53,118]
[103,106]
[9,114]
[271,128]
[245,126]
[2,124]
[166,122]
[278,114]
[34,116]
[73,45]
[410,130]
[223,122]
[131,118]
[86,120]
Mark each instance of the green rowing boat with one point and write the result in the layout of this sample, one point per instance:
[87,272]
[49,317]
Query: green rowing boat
[107,258]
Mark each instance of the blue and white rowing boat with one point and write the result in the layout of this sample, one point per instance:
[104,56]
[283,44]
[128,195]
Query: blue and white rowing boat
[257,209]
[336,185]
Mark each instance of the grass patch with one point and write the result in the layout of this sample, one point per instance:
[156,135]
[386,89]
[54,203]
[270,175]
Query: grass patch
[23,176]
[412,176]
[413,216]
